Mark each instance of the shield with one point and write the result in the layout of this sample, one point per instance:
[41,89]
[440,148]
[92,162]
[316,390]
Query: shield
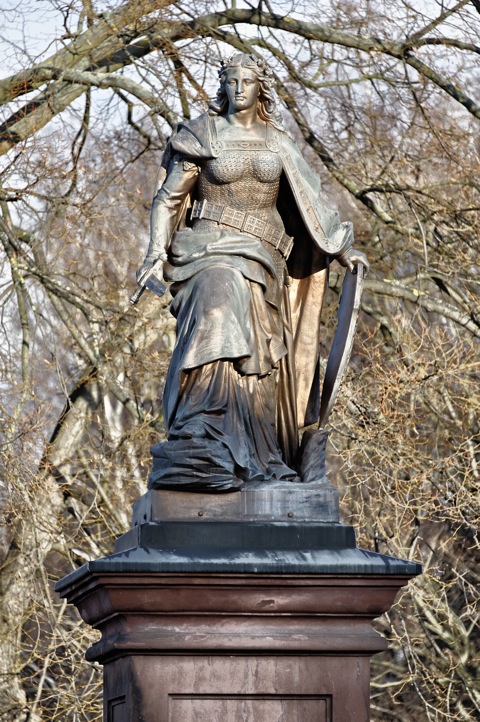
[341,350]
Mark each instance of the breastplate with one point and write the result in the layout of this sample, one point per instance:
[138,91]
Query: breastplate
[245,176]
[242,178]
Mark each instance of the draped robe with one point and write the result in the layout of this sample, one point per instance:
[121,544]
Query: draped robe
[244,374]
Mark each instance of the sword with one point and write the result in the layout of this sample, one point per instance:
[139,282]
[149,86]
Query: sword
[150,281]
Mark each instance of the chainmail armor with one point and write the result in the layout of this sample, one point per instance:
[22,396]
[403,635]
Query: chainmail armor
[249,181]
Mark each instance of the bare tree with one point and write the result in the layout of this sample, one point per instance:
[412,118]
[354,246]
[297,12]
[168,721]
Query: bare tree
[383,97]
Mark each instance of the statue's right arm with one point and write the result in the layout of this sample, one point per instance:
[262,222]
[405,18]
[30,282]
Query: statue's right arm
[166,209]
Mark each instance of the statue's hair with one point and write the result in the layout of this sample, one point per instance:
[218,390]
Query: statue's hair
[267,108]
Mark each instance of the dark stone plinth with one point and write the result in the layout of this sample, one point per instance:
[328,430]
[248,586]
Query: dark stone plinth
[242,548]
[256,620]
[275,501]
[215,537]
[259,548]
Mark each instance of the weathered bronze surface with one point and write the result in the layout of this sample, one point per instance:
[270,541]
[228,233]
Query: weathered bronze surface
[245,238]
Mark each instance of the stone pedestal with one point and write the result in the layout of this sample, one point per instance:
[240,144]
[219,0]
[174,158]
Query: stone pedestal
[263,618]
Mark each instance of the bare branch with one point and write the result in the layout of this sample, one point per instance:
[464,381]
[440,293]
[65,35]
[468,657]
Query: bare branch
[395,289]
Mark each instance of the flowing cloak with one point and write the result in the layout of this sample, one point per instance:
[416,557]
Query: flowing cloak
[318,235]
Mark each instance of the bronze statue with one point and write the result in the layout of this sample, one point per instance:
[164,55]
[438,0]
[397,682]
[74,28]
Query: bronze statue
[245,239]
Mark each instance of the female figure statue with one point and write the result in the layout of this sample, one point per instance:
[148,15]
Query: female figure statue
[246,238]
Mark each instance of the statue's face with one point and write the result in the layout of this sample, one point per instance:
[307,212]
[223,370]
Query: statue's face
[242,87]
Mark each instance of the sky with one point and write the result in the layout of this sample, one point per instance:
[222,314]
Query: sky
[26,28]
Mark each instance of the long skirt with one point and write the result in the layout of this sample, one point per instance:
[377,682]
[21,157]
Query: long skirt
[222,388]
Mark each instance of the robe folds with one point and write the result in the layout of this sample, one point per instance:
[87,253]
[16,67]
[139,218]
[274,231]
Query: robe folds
[244,374]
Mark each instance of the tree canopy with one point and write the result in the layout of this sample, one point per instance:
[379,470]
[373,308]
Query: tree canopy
[383,98]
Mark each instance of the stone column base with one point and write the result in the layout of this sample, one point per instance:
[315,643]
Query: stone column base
[236,621]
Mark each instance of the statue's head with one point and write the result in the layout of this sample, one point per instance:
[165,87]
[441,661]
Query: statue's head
[266,104]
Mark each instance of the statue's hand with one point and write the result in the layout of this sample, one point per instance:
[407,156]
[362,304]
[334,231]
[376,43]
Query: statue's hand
[144,270]
[352,258]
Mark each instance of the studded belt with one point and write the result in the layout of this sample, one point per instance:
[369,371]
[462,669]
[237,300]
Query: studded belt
[227,216]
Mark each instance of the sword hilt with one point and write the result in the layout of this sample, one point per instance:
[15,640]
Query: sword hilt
[136,296]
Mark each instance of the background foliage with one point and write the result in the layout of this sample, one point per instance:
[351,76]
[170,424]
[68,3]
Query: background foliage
[381,97]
